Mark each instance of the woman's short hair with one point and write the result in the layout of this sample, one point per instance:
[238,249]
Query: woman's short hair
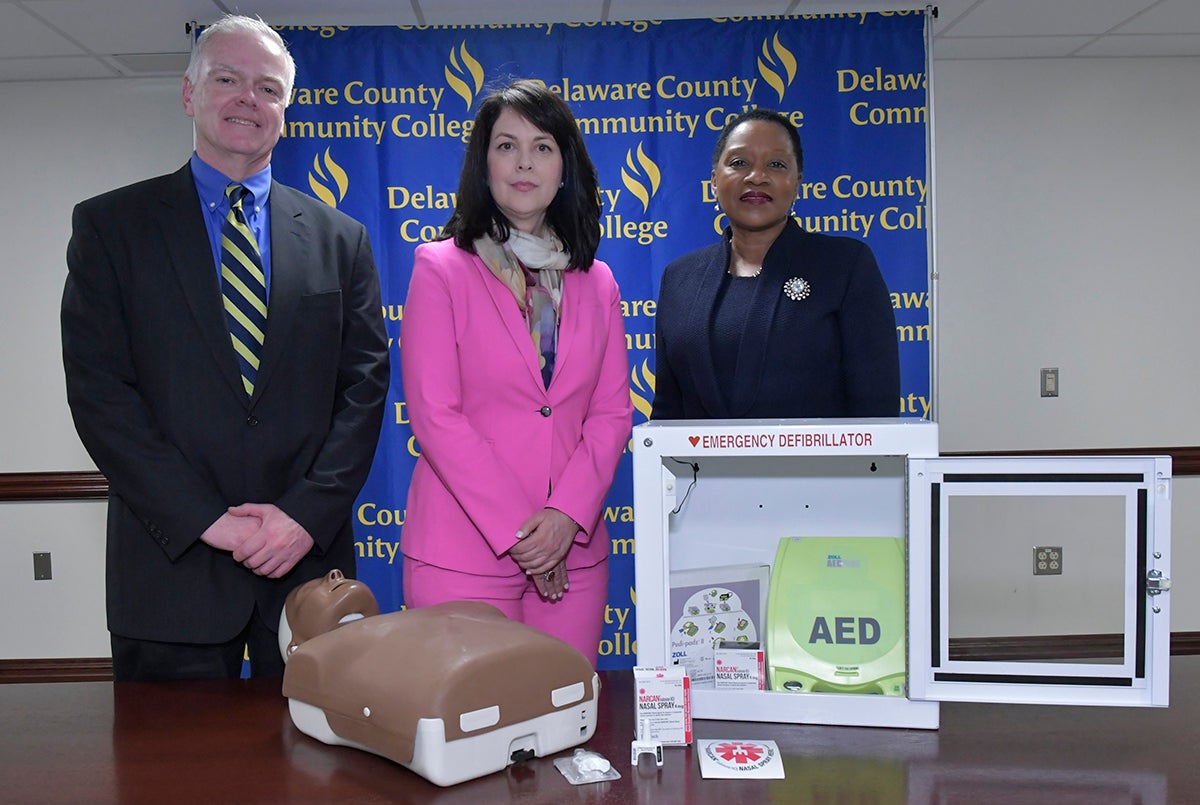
[770,116]
[573,215]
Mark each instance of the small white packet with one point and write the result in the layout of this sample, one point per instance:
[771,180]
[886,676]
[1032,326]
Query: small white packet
[585,767]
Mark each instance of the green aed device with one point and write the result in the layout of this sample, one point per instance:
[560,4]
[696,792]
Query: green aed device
[836,616]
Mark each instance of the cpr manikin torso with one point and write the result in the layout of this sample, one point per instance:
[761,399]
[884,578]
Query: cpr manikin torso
[453,691]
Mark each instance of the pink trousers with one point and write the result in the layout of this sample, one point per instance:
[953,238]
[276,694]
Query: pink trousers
[576,618]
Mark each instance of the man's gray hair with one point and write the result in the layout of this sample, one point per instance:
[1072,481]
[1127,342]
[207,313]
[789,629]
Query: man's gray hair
[239,23]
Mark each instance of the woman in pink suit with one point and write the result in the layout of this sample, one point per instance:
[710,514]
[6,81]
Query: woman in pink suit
[515,371]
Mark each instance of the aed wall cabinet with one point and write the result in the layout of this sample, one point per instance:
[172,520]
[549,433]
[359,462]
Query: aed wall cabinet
[713,494]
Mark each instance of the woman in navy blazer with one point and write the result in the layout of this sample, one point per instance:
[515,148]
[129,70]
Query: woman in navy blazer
[772,321]
[517,379]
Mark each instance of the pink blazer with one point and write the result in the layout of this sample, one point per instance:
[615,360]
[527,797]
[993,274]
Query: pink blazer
[496,444]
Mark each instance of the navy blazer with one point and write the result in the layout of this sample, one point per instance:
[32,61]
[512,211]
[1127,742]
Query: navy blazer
[156,396]
[832,354]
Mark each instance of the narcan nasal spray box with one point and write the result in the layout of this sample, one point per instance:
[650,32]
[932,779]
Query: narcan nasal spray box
[739,666]
[662,705]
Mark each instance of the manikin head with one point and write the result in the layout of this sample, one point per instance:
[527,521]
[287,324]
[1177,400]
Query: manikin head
[320,606]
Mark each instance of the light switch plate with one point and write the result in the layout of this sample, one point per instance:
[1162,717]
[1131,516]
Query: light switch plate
[41,566]
[1050,382]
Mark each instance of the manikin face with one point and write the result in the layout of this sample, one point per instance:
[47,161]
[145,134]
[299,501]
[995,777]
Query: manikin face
[525,168]
[757,177]
[321,605]
[237,103]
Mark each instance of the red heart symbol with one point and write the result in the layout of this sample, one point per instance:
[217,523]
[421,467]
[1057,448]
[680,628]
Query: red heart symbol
[695,440]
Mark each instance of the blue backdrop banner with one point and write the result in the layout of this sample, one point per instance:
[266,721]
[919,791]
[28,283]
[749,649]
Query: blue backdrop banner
[380,118]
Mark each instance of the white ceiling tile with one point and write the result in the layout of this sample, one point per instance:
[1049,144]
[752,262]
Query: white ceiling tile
[22,34]
[335,12]
[48,69]
[1175,16]
[950,12]
[1002,47]
[119,26]
[1144,45]
[702,9]
[467,12]
[1047,17]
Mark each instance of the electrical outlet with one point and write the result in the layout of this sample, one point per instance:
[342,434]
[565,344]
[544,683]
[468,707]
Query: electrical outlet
[41,566]
[1047,561]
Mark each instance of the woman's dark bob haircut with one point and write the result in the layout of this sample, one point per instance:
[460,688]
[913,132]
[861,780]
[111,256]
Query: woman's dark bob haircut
[573,215]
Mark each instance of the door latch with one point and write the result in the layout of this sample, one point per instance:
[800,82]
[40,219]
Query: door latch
[1156,583]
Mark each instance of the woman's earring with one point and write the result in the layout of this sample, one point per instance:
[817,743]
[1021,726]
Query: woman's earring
[717,206]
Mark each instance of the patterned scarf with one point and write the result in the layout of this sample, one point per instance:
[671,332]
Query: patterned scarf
[532,268]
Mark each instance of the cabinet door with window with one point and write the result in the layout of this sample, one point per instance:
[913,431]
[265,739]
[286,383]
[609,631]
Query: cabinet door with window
[1039,580]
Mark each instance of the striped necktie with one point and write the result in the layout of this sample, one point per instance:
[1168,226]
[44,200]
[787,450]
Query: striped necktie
[243,286]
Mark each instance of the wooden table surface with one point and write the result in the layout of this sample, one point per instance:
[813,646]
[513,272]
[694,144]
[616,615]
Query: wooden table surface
[220,742]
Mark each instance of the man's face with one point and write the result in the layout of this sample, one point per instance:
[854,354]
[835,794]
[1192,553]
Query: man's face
[237,103]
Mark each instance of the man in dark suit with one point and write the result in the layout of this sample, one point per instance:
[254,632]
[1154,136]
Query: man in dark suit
[231,479]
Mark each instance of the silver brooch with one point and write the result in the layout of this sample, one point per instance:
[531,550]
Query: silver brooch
[797,288]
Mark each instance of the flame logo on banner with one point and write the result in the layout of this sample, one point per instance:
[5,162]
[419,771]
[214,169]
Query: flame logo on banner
[645,169]
[320,177]
[775,61]
[464,74]
[641,388]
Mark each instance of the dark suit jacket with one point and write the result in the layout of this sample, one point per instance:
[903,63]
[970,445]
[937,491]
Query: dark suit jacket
[155,393]
[834,354]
